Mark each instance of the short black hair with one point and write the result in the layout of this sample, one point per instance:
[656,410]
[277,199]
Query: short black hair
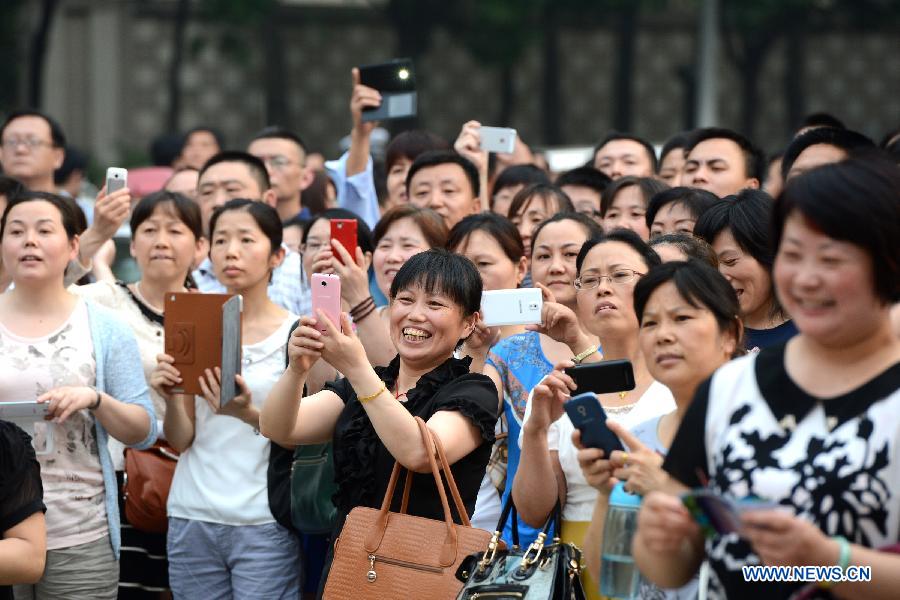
[439,271]
[166,148]
[256,167]
[57,137]
[591,227]
[617,135]
[265,216]
[545,191]
[691,245]
[220,139]
[410,144]
[694,199]
[625,236]
[295,221]
[648,187]
[679,141]
[754,160]
[187,211]
[281,133]
[500,228]
[855,201]
[586,176]
[433,158]
[844,139]
[71,215]
[701,286]
[821,119]
[363,233]
[747,215]
[518,175]
[75,160]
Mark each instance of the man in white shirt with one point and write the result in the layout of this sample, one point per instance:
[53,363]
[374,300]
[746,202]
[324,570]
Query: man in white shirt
[230,175]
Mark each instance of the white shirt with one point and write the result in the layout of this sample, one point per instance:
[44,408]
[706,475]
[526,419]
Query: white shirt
[221,478]
[580,497]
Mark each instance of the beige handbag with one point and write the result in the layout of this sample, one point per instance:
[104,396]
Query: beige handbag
[384,555]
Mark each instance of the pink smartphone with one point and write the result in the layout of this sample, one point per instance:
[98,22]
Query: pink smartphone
[326,296]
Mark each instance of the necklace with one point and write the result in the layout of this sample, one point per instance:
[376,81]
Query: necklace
[396,393]
[137,291]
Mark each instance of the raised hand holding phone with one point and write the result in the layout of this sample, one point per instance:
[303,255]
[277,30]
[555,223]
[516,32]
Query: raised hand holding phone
[548,397]
[640,467]
[326,299]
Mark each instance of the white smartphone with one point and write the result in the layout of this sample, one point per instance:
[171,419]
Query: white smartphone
[116,179]
[521,306]
[31,417]
[498,139]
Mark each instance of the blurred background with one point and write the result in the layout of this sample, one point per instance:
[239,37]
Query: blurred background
[118,73]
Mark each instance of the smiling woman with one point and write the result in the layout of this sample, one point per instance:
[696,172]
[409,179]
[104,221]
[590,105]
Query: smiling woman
[369,413]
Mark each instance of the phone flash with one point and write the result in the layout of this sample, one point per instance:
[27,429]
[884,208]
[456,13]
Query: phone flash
[403,74]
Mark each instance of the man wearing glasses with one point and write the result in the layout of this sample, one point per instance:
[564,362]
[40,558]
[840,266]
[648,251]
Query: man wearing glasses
[32,146]
[284,155]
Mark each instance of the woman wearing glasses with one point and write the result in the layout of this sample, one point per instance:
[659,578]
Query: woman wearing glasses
[607,270]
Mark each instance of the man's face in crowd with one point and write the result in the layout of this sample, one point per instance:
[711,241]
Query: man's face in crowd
[222,182]
[27,151]
[285,163]
[445,189]
[620,158]
[816,156]
[585,200]
[199,147]
[717,165]
[503,199]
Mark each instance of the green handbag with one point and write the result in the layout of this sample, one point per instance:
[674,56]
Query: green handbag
[312,484]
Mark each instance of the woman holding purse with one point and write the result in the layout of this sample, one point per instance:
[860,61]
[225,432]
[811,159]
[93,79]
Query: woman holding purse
[369,414]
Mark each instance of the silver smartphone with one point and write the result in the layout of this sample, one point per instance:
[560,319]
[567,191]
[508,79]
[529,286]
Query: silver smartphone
[116,179]
[521,306]
[501,140]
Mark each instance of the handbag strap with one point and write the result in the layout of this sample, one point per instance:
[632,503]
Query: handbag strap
[451,482]
[449,548]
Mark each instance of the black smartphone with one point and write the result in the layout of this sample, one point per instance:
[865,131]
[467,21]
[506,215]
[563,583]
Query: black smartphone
[396,81]
[604,377]
[588,416]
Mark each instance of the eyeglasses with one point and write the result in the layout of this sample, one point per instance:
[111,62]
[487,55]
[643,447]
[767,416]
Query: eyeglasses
[314,247]
[276,162]
[619,277]
[30,143]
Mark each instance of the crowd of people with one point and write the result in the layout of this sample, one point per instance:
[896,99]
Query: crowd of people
[758,303]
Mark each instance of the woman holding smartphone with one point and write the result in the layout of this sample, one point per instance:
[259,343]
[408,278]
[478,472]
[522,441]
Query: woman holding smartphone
[166,235]
[223,540]
[84,363]
[402,232]
[810,424]
[493,245]
[608,268]
[368,414]
[689,327]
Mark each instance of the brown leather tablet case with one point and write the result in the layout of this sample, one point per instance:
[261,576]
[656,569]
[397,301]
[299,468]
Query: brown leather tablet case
[203,331]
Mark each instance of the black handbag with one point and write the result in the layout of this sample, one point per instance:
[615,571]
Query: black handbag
[544,570]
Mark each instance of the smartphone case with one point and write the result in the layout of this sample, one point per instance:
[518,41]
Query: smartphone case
[344,231]
[203,331]
[605,377]
[520,306]
[587,416]
[326,296]
[396,81]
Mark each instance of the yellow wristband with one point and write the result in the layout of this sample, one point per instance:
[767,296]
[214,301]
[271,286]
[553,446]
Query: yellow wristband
[364,399]
[583,355]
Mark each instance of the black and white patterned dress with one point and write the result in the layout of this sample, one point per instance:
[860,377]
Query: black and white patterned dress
[836,462]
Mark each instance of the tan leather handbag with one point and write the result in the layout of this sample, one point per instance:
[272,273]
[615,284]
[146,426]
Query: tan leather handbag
[385,555]
[148,477]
